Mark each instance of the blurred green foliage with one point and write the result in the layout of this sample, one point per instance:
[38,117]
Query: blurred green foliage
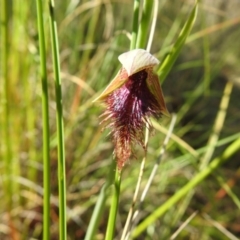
[91,36]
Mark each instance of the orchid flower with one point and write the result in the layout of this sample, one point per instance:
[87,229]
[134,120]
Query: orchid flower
[131,98]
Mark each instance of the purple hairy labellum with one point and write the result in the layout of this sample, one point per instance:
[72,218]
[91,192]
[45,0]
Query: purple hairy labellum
[131,98]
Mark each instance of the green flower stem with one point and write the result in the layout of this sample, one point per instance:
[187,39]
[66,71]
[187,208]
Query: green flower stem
[100,205]
[45,123]
[232,149]
[114,207]
[60,126]
[135,24]
[145,22]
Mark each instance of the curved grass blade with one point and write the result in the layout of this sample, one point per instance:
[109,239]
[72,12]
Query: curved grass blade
[171,57]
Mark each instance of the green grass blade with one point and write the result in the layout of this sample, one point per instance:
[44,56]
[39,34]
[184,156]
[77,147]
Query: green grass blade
[45,123]
[229,190]
[100,205]
[232,149]
[145,22]
[114,207]
[171,57]
[60,126]
[135,24]
[218,125]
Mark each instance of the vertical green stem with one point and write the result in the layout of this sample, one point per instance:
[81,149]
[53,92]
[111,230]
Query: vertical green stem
[100,205]
[143,28]
[135,24]
[45,122]
[60,126]
[7,146]
[114,207]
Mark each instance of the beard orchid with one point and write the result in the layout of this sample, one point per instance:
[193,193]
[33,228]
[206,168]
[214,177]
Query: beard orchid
[131,98]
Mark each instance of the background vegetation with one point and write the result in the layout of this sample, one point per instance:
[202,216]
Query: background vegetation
[202,89]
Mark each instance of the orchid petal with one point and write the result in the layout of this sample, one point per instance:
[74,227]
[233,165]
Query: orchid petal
[116,83]
[136,60]
[155,88]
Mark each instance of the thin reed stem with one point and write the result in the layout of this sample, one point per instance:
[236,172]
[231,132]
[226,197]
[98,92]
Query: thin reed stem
[135,24]
[153,173]
[114,206]
[143,27]
[100,205]
[218,125]
[60,126]
[45,123]
[130,213]
[153,25]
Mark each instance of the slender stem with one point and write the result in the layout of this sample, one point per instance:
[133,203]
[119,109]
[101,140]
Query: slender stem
[45,123]
[135,24]
[183,225]
[60,126]
[143,28]
[100,205]
[218,125]
[153,25]
[114,207]
[153,173]
[130,213]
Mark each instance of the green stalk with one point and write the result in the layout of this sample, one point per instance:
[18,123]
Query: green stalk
[168,61]
[45,123]
[60,126]
[100,205]
[114,206]
[232,149]
[7,152]
[145,22]
[135,24]
[218,125]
